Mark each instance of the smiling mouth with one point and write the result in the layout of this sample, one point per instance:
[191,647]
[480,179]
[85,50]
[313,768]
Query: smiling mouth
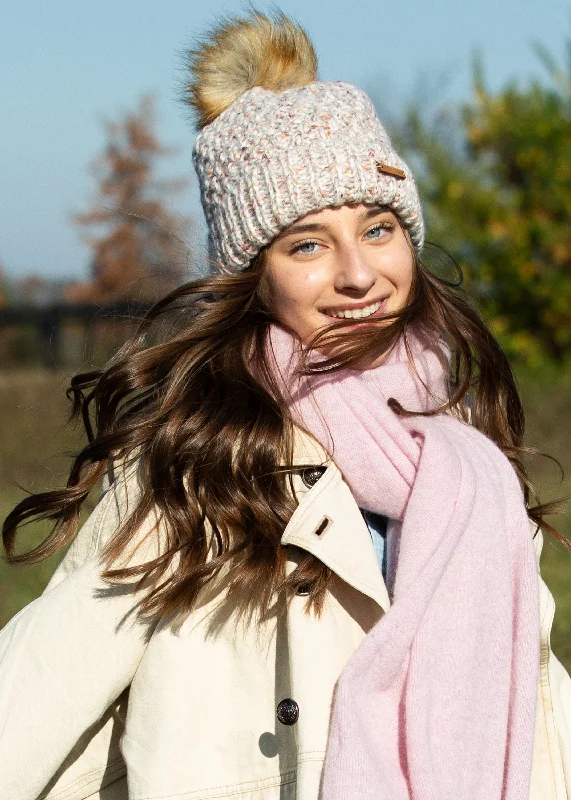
[356,313]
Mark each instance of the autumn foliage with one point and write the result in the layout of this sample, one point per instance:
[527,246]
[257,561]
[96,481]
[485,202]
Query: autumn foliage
[137,242]
[496,179]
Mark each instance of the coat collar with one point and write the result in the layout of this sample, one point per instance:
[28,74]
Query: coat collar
[328,523]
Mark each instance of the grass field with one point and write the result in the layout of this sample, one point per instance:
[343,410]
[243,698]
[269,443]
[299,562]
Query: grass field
[33,410]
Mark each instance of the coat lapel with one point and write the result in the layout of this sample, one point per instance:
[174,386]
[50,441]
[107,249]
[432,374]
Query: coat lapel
[328,523]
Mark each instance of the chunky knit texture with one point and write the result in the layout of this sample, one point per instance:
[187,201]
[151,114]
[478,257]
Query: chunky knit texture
[273,157]
[438,703]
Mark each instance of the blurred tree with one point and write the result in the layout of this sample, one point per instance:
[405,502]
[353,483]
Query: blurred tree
[137,250]
[495,175]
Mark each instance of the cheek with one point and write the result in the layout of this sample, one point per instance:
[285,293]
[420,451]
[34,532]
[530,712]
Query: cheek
[293,292]
[399,268]
[406,276]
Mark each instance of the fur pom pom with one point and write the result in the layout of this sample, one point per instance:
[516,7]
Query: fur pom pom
[242,53]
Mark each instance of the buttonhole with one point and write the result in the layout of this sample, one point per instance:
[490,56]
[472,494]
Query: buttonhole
[322,527]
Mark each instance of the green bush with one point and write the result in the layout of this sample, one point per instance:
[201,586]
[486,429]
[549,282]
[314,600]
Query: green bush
[495,177]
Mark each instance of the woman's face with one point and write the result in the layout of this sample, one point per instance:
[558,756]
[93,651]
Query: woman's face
[352,261]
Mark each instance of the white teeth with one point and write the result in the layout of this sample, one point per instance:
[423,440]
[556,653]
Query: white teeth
[356,313]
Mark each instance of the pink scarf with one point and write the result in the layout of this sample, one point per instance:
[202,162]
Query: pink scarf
[438,703]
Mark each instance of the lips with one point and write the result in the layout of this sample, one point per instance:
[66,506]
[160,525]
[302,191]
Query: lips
[357,313]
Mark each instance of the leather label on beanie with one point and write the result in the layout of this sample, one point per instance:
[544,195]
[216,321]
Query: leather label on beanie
[388,170]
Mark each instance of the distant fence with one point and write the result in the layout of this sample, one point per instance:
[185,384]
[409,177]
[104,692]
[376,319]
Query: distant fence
[95,325]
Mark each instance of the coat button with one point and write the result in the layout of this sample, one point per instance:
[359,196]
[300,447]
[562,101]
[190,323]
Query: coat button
[311,475]
[288,711]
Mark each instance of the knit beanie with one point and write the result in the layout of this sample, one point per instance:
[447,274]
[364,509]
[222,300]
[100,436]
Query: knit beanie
[276,144]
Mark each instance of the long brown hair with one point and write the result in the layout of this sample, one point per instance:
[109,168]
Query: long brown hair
[215,445]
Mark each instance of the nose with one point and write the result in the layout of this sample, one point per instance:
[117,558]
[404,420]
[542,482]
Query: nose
[354,273]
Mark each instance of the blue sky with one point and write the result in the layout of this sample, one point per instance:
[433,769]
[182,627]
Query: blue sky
[64,66]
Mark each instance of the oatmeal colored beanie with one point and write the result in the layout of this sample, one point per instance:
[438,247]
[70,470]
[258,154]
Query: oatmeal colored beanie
[276,144]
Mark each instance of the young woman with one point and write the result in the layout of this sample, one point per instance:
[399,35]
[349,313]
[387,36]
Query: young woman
[311,572]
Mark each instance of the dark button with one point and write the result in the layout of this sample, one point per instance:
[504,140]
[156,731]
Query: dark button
[288,711]
[311,475]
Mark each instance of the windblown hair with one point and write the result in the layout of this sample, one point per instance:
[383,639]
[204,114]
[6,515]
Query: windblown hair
[215,444]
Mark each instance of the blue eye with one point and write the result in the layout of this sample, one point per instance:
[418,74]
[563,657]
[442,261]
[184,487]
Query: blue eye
[377,231]
[307,248]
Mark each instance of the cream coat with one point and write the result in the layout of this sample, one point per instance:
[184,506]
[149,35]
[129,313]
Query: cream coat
[96,704]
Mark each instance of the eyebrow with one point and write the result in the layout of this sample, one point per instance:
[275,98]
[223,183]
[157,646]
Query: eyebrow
[313,227]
